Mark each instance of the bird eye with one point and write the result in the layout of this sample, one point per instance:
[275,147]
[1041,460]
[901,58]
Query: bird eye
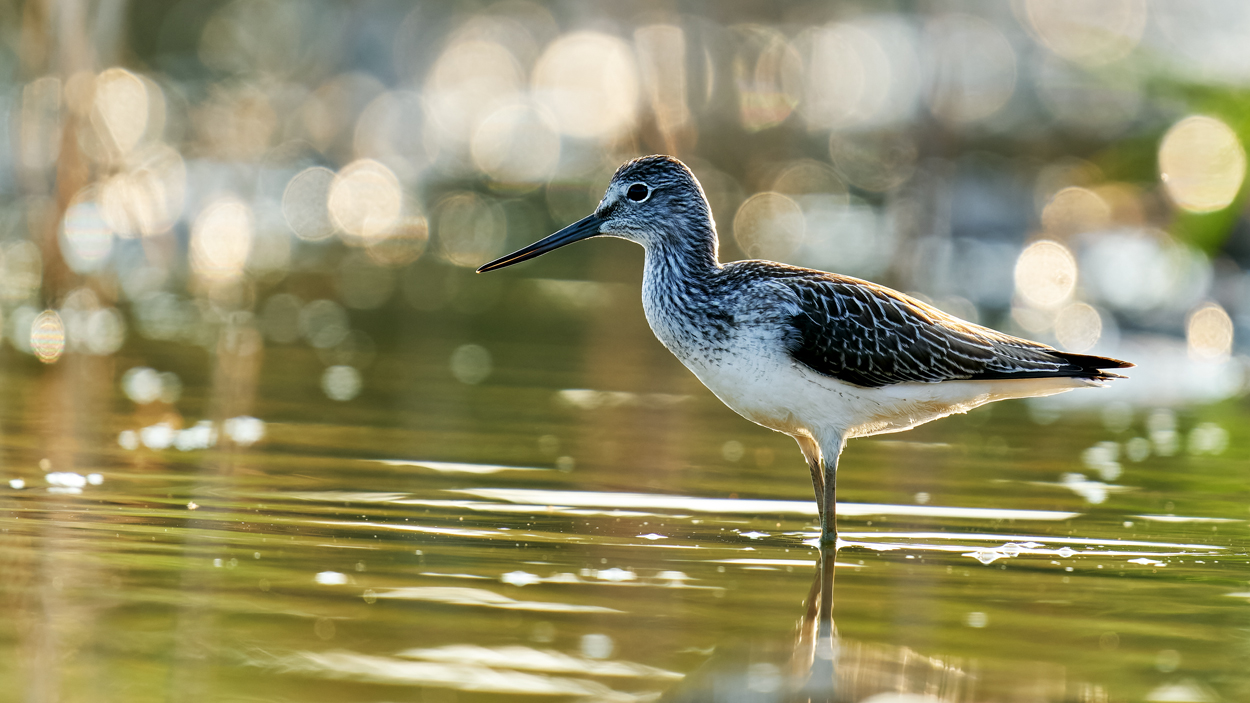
[638,192]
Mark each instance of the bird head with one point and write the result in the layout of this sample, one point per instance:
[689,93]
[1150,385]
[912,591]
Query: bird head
[652,200]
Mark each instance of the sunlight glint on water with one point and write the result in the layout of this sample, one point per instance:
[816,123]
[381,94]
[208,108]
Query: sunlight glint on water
[365,564]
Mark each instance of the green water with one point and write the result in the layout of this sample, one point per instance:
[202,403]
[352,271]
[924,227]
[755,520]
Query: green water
[432,540]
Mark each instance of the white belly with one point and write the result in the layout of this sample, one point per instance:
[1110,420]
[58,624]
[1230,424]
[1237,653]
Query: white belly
[769,388]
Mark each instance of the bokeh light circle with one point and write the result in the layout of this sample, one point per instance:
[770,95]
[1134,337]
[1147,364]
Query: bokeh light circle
[121,108]
[471,229]
[589,81]
[387,130]
[517,144]
[341,382]
[471,364]
[221,239]
[1075,210]
[769,226]
[86,239]
[47,336]
[470,80]
[1088,33]
[149,197]
[769,74]
[365,199]
[1202,164]
[1078,327]
[106,331]
[1209,333]
[1045,274]
[323,323]
[974,71]
[875,162]
[807,178]
[142,384]
[404,244]
[305,203]
[840,64]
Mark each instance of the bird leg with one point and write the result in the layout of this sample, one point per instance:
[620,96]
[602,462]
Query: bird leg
[829,507]
[811,452]
[829,510]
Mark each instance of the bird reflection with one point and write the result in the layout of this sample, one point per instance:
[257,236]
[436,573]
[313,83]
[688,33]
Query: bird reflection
[814,664]
[819,666]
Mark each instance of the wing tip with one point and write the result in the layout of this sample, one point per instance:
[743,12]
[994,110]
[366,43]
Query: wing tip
[1095,367]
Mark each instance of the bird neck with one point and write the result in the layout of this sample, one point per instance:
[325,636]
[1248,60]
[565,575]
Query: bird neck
[689,258]
[678,284]
[679,295]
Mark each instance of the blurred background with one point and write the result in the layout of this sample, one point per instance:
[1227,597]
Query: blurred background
[258,414]
[320,173]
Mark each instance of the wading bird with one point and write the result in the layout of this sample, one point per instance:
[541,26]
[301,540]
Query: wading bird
[819,356]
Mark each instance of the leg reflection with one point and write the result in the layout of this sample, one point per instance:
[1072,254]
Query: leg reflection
[815,662]
[816,665]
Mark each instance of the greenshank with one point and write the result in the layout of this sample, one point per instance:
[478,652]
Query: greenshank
[819,356]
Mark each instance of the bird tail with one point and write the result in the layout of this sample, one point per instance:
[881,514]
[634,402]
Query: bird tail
[1094,367]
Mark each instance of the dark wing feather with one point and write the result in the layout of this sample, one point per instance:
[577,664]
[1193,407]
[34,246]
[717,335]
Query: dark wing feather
[872,336]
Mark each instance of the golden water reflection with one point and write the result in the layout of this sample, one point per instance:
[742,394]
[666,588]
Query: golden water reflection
[493,579]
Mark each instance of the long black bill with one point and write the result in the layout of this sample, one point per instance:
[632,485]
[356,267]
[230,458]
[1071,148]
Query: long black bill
[582,229]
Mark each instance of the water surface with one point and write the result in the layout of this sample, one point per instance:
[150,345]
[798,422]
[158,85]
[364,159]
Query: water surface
[548,535]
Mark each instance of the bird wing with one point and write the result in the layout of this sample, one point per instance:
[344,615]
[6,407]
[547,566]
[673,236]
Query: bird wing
[870,335]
